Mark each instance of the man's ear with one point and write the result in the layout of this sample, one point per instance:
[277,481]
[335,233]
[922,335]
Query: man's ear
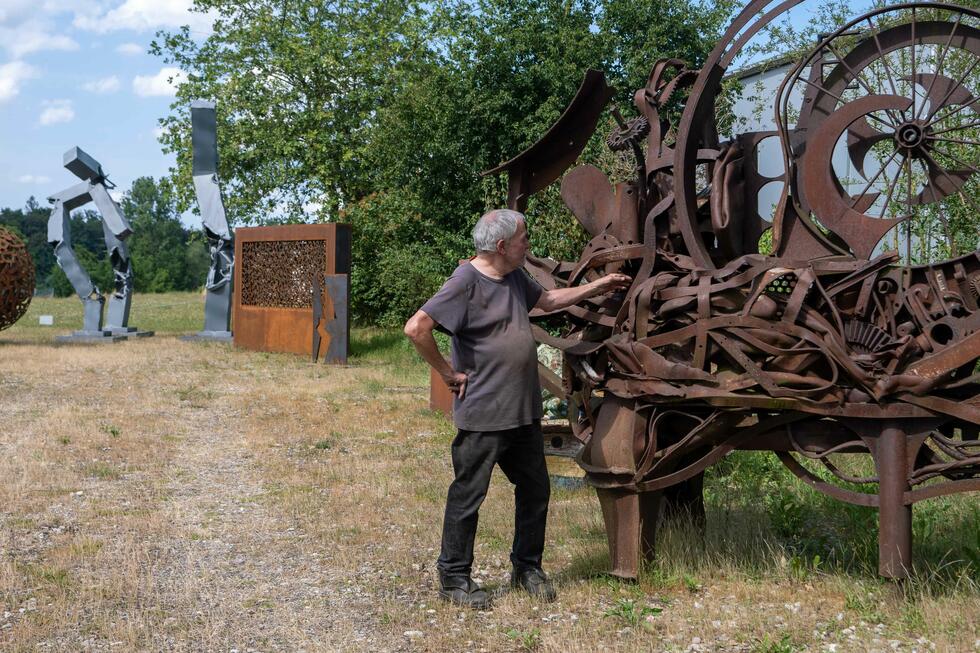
[501,245]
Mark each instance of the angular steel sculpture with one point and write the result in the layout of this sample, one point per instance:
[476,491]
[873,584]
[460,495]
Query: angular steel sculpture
[823,349]
[115,228]
[221,240]
[16,278]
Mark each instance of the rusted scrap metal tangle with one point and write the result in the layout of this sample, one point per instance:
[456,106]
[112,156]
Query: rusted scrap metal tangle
[16,278]
[819,350]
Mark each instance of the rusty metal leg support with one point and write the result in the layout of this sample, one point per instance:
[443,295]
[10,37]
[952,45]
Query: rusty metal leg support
[621,514]
[894,516]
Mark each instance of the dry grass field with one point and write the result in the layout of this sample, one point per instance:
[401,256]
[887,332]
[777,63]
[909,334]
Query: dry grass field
[169,496]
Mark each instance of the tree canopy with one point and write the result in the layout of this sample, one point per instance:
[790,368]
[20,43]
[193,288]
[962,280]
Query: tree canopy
[383,113]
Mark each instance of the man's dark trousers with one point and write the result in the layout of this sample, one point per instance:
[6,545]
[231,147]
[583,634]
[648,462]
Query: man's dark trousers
[520,454]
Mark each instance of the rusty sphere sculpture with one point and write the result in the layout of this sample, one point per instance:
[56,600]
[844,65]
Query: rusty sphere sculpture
[16,278]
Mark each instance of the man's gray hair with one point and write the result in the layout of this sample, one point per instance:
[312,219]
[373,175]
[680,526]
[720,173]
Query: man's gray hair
[498,224]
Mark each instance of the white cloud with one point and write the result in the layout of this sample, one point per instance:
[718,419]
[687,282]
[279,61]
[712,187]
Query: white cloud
[30,38]
[105,85]
[163,83]
[33,179]
[145,15]
[130,49]
[12,75]
[56,111]
[28,26]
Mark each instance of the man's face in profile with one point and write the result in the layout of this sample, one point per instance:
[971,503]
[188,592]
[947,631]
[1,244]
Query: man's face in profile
[515,248]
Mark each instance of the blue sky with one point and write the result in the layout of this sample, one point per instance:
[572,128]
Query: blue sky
[78,73]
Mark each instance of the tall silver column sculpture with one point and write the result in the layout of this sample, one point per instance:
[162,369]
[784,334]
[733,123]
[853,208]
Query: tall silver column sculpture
[218,287]
[94,187]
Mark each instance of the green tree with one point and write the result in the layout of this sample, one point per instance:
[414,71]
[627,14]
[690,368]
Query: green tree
[32,223]
[384,113]
[496,85]
[158,244]
[296,85]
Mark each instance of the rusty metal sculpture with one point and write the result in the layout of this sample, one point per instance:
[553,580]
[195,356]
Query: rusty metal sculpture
[16,278]
[826,347]
[276,271]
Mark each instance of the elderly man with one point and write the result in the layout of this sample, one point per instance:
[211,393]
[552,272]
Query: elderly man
[497,408]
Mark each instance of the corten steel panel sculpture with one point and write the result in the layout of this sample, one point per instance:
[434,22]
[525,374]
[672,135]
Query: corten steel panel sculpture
[94,187]
[275,273]
[221,244]
[824,348]
[16,278]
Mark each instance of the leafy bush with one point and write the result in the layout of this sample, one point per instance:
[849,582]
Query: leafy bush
[400,258]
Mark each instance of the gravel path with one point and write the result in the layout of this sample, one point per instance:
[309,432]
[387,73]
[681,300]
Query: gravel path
[260,584]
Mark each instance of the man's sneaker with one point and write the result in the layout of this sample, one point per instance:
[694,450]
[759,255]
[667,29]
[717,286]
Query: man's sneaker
[533,581]
[461,590]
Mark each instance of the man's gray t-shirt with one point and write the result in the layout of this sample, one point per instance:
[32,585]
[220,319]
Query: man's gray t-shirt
[492,344]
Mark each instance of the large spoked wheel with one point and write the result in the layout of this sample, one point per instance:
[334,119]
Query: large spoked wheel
[891,118]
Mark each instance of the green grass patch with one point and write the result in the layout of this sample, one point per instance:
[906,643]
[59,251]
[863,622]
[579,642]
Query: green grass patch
[774,644]
[632,612]
[102,471]
[164,313]
[48,575]
[822,535]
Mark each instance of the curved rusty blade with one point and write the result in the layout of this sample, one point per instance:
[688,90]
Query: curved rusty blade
[864,202]
[942,183]
[860,232]
[545,161]
[588,194]
[938,87]
[861,137]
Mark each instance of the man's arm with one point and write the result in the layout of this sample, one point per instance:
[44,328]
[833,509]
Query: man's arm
[419,330]
[553,300]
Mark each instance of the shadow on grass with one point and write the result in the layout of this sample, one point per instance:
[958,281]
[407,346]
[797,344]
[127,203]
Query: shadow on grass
[374,346]
[375,343]
[589,566]
[747,541]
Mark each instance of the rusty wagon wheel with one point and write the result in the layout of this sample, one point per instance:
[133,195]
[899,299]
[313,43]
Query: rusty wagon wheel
[891,122]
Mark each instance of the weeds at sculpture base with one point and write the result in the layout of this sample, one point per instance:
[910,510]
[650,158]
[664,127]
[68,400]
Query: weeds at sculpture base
[161,495]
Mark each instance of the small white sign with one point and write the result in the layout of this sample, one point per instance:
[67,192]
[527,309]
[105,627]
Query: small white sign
[46,320]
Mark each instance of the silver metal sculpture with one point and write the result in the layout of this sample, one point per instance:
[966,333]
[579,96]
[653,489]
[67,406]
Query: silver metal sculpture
[94,187]
[221,243]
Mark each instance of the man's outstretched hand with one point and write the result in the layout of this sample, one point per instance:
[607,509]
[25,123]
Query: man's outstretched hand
[611,282]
